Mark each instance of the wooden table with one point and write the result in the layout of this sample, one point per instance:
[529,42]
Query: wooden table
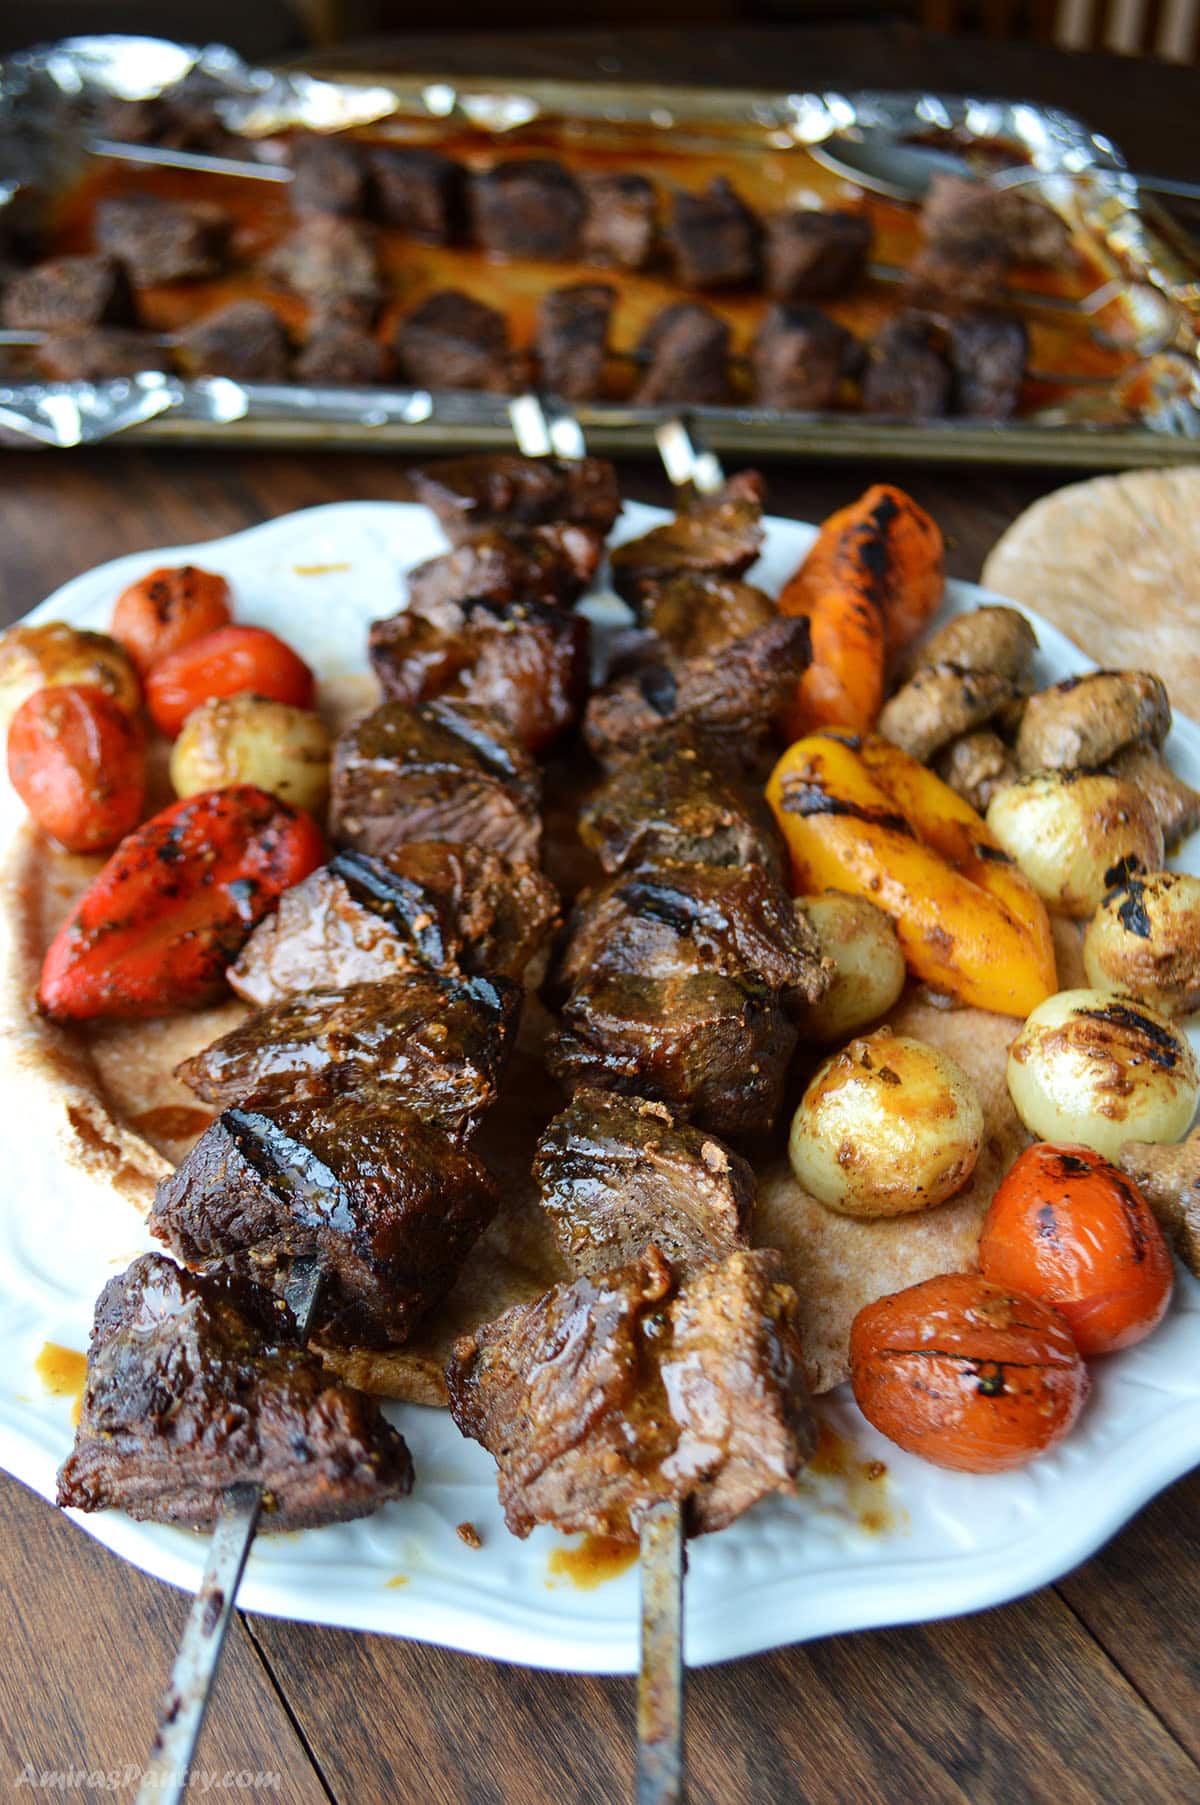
[1089,1690]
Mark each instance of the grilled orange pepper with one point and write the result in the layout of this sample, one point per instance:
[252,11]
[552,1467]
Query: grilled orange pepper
[860,815]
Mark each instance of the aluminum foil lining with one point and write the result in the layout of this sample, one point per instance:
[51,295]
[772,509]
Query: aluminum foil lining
[52,96]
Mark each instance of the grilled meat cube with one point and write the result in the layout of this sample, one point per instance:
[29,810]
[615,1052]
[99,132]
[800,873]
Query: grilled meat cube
[728,700]
[686,350]
[341,352]
[721,534]
[423,1041]
[988,355]
[668,920]
[425,907]
[244,340]
[417,191]
[714,237]
[948,276]
[387,1204]
[67,294]
[617,1173]
[621,219]
[697,612]
[452,341]
[809,253]
[324,258]
[572,338]
[525,661]
[182,119]
[666,803]
[714,1048]
[163,241]
[527,207]
[906,372]
[798,358]
[553,563]
[959,210]
[609,1395]
[98,355]
[193,1387]
[328,175]
[441,771]
[502,489]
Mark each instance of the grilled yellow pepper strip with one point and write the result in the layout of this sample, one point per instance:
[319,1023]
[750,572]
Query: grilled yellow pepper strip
[860,815]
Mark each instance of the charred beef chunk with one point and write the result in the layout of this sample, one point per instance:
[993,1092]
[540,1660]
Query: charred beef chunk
[728,700]
[714,237]
[417,191]
[245,340]
[504,490]
[810,254]
[620,222]
[666,803]
[67,294]
[798,358]
[192,1387]
[571,342]
[525,661]
[670,920]
[527,207]
[341,352]
[163,241]
[182,119]
[720,533]
[387,1204]
[617,1173]
[328,176]
[441,771]
[958,211]
[424,1041]
[99,355]
[697,612]
[552,563]
[606,1396]
[686,351]
[949,276]
[906,372]
[714,1048]
[452,341]
[324,258]
[425,907]
[988,355]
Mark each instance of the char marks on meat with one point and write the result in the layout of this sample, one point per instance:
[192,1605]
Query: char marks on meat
[553,563]
[621,220]
[798,358]
[721,534]
[440,771]
[988,354]
[527,207]
[714,237]
[714,1048]
[959,210]
[906,372]
[810,254]
[68,294]
[386,1203]
[160,240]
[571,341]
[244,340]
[665,803]
[192,1387]
[418,191]
[424,907]
[686,352]
[325,258]
[453,341]
[626,1388]
[425,1041]
[504,490]
[617,1173]
[341,353]
[328,175]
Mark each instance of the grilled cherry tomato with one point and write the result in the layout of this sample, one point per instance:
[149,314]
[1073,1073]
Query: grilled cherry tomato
[229,662]
[167,609]
[968,1374]
[175,904]
[77,761]
[1070,1229]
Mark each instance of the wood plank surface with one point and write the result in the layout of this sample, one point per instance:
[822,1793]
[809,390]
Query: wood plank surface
[1088,1691]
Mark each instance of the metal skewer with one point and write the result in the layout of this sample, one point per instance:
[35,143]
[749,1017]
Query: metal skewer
[185,1702]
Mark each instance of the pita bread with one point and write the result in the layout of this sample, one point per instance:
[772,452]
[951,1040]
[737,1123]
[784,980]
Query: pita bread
[1115,564]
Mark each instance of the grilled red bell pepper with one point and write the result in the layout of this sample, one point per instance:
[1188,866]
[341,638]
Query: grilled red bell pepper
[175,904]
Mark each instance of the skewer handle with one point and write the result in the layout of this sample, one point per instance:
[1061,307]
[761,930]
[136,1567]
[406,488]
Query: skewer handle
[660,1681]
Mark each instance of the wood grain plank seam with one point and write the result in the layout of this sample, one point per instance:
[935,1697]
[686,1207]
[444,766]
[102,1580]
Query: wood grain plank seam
[1127,1676]
[286,1705]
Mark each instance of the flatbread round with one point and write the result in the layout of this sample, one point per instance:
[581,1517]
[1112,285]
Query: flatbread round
[1115,565]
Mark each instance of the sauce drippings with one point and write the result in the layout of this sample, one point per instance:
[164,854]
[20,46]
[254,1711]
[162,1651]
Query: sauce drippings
[593,1561]
[63,1371]
[172,1122]
[862,1483]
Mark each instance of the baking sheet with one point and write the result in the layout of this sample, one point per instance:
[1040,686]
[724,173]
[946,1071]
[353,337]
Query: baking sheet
[50,99]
